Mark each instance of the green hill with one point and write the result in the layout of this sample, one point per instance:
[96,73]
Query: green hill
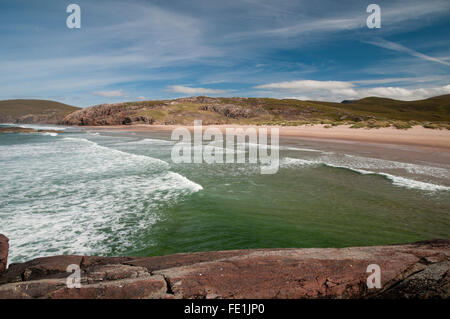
[368,112]
[34,111]
[432,109]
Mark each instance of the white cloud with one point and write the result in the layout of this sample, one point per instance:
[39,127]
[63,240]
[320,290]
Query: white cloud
[141,98]
[110,94]
[307,85]
[312,86]
[405,94]
[193,91]
[339,90]
[401,48]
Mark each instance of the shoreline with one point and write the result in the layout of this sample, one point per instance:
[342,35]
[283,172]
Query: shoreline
[415,136]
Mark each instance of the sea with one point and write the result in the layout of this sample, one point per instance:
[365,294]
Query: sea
[118,193]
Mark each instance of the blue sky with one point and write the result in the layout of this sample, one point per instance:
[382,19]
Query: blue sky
[160,49]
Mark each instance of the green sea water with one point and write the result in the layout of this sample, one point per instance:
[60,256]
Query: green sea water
[120,194]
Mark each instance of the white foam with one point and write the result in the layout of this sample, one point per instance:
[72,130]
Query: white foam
[289,161]
[410,183]
[396,180]
[301,149]
[279,147]
[73,196]
[382,164]
[42,127]
[152,141]
[49,134]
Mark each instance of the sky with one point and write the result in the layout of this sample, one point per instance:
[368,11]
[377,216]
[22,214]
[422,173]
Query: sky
[164,49]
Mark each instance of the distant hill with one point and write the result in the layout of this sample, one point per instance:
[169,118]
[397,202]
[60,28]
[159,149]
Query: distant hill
[432,109]
[34,111]
[373,111]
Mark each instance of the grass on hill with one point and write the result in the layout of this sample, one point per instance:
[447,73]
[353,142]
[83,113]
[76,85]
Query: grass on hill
[17,108]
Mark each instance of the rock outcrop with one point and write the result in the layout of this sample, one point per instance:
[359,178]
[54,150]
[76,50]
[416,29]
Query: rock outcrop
[419,270]
[16,129]
[233,111]
[4,249]
[178,111]
[107,114]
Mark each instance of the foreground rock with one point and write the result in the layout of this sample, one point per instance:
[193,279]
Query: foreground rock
[419,270]
[4,247]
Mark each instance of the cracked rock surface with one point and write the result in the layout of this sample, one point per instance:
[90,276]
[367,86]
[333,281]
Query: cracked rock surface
[418,270]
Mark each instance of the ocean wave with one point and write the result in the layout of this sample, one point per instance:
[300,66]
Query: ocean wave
[382,164]
[49,134]
[42,127]
[300,149]
[279,147]
[139,158]
[396,180]
[73,196]
[152,141]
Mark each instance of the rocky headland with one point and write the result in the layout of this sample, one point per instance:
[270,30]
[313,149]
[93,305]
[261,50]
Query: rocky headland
[418,270]
[368,112]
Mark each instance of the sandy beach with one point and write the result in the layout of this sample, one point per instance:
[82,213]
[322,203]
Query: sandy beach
[417,135]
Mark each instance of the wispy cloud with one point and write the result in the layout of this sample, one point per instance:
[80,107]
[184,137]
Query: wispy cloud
[311,86]
[307,85]
[110,94]
[193,91]
[401,48]
[401,14]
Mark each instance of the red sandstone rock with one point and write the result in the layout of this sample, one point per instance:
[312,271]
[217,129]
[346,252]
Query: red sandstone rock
[419,270]
[152,287]
[108,114]
[4,247]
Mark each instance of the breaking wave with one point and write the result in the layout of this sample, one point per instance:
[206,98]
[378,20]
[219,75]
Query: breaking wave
[368,162]
[73,196]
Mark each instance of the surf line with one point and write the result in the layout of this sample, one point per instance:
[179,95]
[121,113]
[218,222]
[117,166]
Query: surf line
[190,149]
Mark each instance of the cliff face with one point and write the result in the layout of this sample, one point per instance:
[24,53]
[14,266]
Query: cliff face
[180,111]
[107,114]
[419,270]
